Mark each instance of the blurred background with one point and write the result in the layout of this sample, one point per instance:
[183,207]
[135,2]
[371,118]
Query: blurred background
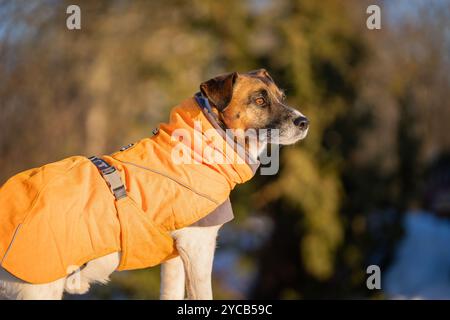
[369,185]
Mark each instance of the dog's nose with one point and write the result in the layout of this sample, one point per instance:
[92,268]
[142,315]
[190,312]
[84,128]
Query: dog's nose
[301,122]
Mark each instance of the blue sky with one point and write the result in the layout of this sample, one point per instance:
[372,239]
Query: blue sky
[397,10]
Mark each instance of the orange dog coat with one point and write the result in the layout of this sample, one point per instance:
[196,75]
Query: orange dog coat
[56,218]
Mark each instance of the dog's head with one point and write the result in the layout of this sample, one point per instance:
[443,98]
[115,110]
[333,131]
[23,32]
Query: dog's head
[253,101]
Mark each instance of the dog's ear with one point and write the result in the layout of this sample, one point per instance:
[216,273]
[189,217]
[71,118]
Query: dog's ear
[219,90]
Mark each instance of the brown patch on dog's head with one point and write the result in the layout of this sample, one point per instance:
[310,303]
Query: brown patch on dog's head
[252,100]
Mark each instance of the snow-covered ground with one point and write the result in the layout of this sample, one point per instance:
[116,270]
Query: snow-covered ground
[421,267]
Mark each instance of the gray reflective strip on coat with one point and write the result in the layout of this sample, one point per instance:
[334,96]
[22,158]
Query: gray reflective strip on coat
[222,214]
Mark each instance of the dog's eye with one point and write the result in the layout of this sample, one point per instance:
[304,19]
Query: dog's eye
[260,101]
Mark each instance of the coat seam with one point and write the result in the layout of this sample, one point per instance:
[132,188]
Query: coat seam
[11,243]
[173,179]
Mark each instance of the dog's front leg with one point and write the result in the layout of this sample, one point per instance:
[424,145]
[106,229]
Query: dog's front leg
[172,280]
[196,247]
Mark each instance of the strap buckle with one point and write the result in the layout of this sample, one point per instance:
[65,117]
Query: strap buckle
[111,176]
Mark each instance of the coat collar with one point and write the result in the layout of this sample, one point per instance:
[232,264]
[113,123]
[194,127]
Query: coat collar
[227,135]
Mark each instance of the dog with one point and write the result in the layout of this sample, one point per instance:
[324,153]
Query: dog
[184,245]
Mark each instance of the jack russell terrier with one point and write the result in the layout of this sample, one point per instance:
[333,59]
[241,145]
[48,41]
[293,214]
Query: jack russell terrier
[162,199]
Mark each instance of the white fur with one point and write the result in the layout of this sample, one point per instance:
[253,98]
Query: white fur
[196,246]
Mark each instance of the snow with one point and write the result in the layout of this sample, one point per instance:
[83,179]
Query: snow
[421,267]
